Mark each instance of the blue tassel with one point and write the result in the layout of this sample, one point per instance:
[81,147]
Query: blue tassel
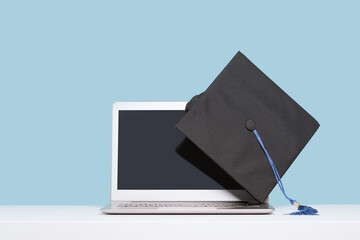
[302,209]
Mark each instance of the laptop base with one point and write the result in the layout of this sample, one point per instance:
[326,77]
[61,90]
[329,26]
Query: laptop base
[187,208]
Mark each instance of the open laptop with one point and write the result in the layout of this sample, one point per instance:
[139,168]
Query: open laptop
[156,170]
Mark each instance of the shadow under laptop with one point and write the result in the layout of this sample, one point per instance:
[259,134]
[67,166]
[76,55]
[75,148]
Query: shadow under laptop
[194,155]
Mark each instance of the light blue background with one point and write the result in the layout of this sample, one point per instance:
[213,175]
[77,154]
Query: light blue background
[63,64]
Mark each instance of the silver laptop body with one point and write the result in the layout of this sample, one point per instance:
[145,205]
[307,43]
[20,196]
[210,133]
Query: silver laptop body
[151,175]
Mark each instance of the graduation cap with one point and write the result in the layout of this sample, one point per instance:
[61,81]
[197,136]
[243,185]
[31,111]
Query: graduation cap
[241,120]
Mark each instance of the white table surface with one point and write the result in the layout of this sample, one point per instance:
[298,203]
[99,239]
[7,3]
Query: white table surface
[87,222]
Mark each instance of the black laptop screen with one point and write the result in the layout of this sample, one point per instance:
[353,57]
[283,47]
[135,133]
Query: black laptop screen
[153,154]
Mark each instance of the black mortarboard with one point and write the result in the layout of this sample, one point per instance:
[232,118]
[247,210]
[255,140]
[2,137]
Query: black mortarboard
[227,120]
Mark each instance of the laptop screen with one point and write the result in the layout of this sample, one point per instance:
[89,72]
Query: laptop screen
[154,155]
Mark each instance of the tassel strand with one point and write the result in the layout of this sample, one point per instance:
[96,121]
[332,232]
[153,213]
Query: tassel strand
[302,209]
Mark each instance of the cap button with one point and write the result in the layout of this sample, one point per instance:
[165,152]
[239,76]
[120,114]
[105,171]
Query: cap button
[250,125]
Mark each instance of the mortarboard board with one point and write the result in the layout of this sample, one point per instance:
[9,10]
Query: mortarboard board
[227,120]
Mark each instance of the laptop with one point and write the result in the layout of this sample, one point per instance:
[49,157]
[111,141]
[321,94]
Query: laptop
[156,170]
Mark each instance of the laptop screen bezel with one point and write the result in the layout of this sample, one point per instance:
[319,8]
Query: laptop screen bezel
[160,195]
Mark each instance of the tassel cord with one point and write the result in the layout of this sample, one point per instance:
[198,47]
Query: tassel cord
[277,176]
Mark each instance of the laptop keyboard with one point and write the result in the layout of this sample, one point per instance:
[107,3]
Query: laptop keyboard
[186,204]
